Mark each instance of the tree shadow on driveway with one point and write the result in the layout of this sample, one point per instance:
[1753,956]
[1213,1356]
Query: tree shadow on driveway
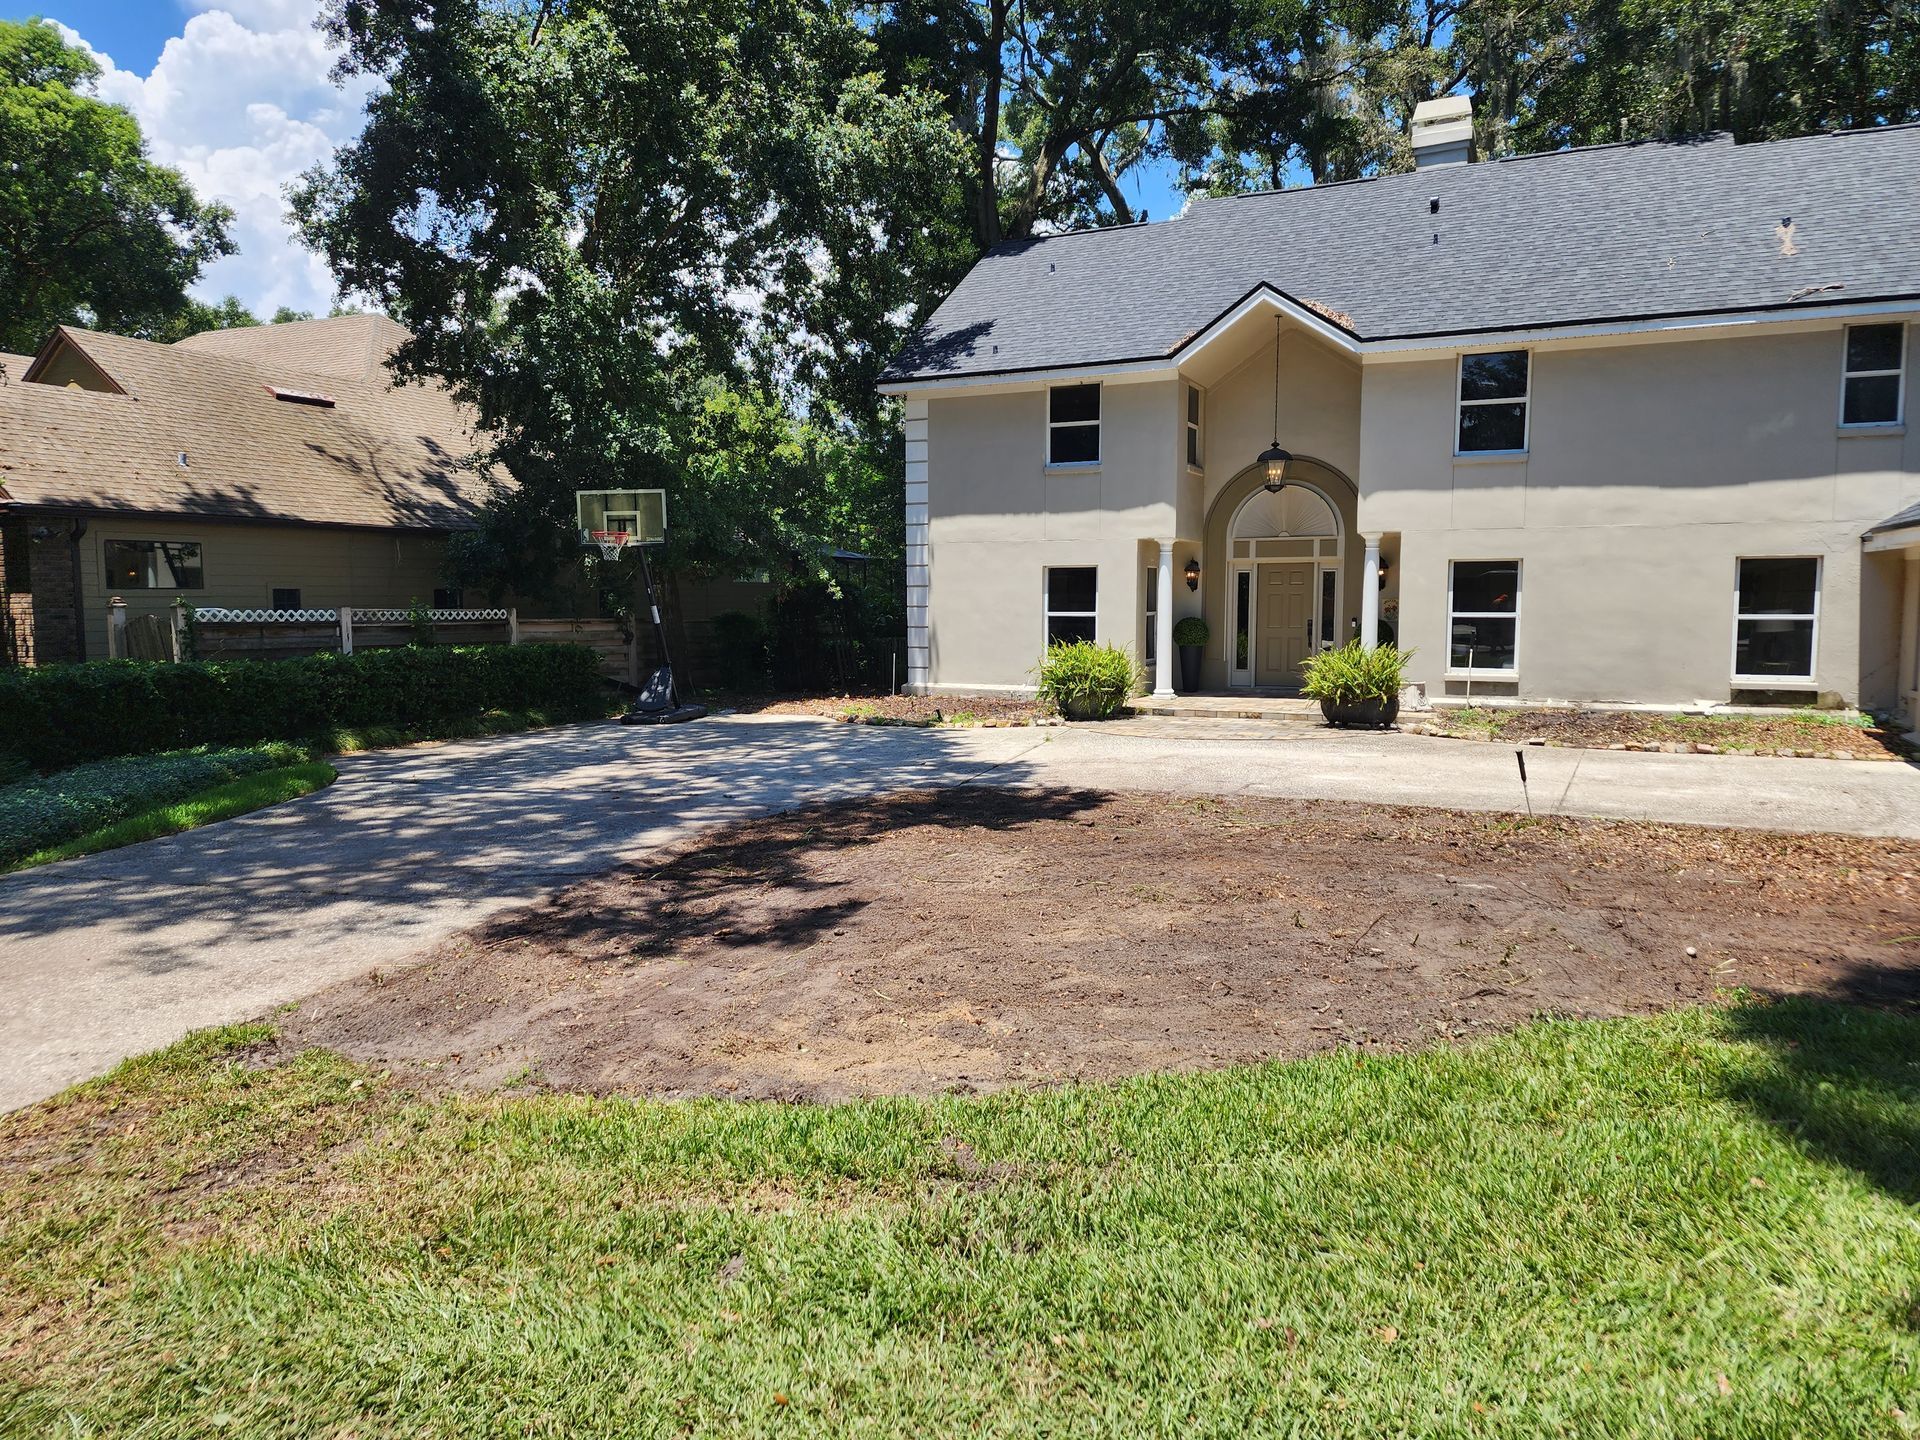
[716,888]
[407,832]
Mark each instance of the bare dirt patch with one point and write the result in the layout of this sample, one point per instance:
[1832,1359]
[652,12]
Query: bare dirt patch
[901,709]
[975,938]
[1807,733]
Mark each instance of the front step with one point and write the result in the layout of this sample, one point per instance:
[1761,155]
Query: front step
[1231,707]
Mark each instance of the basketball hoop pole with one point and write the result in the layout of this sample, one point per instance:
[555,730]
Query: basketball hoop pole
[659,630]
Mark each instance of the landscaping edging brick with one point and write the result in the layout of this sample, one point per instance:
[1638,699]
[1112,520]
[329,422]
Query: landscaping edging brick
[1661,747]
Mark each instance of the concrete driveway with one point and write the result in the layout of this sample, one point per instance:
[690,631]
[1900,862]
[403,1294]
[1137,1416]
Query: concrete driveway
[119,953]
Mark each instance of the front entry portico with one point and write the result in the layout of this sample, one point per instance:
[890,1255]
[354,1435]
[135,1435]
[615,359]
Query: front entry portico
[1283,560]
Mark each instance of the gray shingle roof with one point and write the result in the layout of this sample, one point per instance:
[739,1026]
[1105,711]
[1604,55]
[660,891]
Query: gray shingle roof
[1609,233]
[1907,517]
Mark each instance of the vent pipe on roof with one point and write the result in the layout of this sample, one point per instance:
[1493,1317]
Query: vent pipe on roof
[1442,132]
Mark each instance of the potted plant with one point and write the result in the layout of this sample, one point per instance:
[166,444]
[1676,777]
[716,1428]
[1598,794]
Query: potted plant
[1191,635]
[1084,681]
[1355,685]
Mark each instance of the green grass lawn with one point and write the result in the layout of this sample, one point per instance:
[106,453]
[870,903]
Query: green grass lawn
[1697,1225]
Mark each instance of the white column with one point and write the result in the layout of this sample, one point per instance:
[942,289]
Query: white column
[1910,640]
[1163,626]
[1370,592]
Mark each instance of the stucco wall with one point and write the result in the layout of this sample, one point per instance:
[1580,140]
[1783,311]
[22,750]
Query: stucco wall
[998,516]
[1651,468]
[244,564]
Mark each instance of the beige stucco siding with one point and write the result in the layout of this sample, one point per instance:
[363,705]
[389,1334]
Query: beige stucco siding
[244,564]
[998,516]
[1651,468]
[1653,465]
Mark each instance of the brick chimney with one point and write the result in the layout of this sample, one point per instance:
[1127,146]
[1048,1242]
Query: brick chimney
[1442,132]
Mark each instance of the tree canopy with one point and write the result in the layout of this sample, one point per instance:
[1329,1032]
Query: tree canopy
[92,232]
[654,242]
[671,242]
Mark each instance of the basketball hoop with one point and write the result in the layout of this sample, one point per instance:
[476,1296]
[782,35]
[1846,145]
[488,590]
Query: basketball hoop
[614,522]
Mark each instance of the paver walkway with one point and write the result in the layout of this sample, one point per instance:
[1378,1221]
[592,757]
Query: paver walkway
[118,953]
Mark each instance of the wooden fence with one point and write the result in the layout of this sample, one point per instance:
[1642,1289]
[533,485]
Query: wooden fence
[213,633]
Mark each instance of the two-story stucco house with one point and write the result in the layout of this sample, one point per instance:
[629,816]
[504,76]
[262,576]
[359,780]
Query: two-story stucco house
[1619,424]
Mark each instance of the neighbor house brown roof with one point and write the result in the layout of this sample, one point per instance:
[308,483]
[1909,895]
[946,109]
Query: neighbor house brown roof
[200,431]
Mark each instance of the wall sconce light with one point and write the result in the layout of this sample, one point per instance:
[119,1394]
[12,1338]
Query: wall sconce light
[1193,574]
[1385,565]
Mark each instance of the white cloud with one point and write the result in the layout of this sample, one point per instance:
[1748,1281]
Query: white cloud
[240,103]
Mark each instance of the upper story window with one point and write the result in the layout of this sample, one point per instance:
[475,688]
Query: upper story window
[1195,454]
[154,565]
[1493,402]
[1073,425]
[1876,361]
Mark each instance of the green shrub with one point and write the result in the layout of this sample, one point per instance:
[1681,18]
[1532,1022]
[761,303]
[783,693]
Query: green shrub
[67,714]
[1353,673]
[1191,631]
[37,813]
[1084,681]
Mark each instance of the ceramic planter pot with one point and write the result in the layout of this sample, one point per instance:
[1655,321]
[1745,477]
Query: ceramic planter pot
[1364,714]
[1190,668]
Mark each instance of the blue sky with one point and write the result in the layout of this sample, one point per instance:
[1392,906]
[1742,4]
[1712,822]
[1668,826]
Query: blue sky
[235,94]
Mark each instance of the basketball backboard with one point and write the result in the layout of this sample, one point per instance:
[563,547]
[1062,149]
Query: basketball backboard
[640,514]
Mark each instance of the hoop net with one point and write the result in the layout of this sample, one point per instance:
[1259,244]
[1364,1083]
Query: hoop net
[611,544]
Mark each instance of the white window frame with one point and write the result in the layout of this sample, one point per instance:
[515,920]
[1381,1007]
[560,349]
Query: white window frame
[1777,682]
[1099,440]
[1047,612]
[1195,429]
[1524,400]
[1481,672]
[1899,385]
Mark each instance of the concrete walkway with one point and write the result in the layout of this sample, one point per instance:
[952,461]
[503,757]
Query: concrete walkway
[118,953]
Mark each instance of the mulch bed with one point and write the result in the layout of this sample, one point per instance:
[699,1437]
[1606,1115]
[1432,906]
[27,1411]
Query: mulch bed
[986,710]
[973,939]
[1695,734]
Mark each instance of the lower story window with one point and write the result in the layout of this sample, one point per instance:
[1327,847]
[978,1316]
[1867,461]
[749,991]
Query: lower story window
[154,565]
[1776,613]
[1483,615]
[1242,618]
[1070,602]
[1152,592]
[285,598]
[448,599]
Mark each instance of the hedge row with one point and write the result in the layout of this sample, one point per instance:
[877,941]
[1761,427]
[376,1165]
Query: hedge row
[37,813]
[66,714]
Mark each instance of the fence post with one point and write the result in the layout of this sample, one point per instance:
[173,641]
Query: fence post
[116,629]
[346,629]
[513,625]
[177,631]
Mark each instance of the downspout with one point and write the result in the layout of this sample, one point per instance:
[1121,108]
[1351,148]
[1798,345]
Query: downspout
[76,530]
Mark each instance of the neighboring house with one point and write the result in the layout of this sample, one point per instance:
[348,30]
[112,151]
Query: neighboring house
[264,468]
[1618,424]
